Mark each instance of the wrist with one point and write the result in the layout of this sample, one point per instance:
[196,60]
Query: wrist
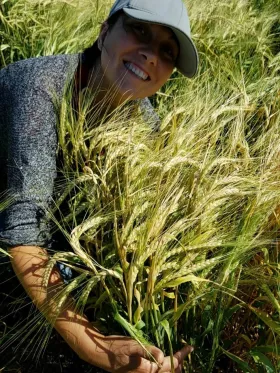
[83,339]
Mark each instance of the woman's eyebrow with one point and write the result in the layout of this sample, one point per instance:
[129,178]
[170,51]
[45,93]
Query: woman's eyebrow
[172,37]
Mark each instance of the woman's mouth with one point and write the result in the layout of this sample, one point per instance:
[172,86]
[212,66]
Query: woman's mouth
[137,71]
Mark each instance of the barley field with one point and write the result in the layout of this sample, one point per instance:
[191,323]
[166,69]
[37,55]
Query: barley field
[173,234]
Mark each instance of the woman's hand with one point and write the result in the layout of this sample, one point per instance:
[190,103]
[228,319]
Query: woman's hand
[178,359]
[126,355]
[123,354]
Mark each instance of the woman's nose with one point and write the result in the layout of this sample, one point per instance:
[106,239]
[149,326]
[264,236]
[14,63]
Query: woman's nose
[150,56]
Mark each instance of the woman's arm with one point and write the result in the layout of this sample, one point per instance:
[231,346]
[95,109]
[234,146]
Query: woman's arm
[113,353]
[32,143]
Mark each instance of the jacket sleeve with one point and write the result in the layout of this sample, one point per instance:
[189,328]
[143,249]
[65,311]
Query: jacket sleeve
[31,166]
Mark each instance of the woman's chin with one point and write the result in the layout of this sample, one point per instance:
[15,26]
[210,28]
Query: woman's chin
[128,95]
[131,88]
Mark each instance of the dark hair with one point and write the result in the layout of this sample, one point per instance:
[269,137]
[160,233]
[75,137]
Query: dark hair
[91,54]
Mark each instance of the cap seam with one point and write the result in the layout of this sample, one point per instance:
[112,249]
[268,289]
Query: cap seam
[143,9]
[181,12]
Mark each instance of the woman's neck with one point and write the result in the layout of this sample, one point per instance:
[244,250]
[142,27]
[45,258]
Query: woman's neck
[104,94]
[91,90]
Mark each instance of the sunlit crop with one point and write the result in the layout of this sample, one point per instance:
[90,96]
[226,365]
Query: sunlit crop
[173,234]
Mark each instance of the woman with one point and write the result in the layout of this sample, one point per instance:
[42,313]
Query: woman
[139,45]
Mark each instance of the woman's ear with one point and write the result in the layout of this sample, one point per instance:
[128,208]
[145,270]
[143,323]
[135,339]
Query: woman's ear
[102,35]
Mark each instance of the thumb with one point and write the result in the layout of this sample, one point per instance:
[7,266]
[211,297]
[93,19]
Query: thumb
[183,353]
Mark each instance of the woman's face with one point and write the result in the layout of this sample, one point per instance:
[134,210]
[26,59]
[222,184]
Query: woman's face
[137,58]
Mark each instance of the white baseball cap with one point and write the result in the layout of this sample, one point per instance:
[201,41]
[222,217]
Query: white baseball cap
[169,13]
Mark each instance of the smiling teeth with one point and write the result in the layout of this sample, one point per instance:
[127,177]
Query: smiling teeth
[136,71]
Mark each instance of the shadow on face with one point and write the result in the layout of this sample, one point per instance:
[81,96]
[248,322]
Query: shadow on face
[137,58]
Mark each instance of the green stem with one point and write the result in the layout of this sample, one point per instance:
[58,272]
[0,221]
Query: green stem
[136,334]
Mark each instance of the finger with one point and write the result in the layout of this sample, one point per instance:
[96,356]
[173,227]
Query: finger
[136,364]
[156,353]
[146,366]
[183,353]
[166,366]
[148,353]
[179,368]
[178,358]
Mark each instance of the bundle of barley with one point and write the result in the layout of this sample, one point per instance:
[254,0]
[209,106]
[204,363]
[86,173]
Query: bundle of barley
[168,227]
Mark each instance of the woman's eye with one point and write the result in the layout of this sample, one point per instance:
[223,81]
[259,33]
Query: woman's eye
[169,53]
[139,30]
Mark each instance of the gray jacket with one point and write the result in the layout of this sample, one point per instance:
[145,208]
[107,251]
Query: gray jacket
[28,143]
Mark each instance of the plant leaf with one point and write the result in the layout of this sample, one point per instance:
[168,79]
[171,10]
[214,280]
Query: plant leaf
[267,349]
[3,47]
[5,252]
[182,280]
[273,325]
[166,327]
[241,363]
[260,358]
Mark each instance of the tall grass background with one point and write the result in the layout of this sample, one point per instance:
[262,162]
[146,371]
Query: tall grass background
[174,234]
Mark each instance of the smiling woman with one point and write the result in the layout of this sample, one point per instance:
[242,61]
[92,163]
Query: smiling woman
[139,45]
[139,57]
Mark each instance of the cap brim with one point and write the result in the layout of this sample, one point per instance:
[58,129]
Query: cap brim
[187,62]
